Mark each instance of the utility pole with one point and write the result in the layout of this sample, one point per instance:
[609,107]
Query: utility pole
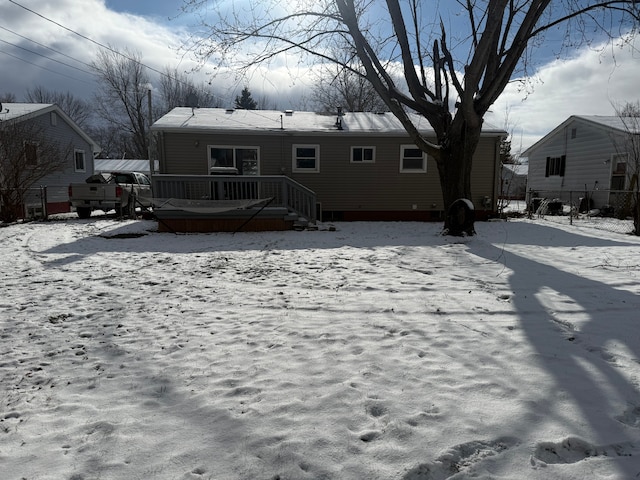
[149,149]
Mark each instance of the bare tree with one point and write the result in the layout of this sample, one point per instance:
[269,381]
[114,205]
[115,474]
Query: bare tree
[114,141]
[79,110]
[26,156]
[337,86]
[512,185]
[123,97]
[177,89]
[7,97]
[450,80]
[626,168]
[629,109]
[264,102]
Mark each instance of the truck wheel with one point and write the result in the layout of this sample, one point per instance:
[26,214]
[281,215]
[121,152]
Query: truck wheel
[83,212]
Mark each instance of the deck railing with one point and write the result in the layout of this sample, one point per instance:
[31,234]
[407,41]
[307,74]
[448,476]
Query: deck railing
[284,191]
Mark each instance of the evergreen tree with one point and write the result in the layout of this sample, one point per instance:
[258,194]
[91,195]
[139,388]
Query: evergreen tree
[245,101]
[505,152]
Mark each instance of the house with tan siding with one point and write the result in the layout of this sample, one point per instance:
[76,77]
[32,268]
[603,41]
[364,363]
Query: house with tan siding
[361,166]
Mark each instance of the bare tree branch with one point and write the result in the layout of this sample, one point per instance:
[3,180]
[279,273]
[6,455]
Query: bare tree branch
[78,110]
[477,63]
[27,154]
[123,97]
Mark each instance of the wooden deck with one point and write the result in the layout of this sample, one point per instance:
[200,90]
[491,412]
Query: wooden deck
[286,204]
[237,221]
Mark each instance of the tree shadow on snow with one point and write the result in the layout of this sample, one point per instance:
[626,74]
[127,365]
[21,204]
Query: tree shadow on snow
[572,321]
[140,237]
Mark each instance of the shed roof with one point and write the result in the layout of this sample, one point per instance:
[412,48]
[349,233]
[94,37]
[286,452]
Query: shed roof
[123,165]
[184,119]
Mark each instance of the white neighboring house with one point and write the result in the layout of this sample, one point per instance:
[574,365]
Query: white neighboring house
[59,127]
[514,181]
[590,157]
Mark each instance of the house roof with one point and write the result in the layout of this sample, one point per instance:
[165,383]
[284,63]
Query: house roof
[521,169]
[122,165]
[184,119]
[26,111]
[610,123]
[624,124]
[12,111]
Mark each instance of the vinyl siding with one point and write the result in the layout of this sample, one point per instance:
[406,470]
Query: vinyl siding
[342,185]
[587,165]
[486,171]
[63,134]
[339,185]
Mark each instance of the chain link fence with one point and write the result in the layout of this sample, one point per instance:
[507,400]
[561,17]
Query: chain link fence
[39,202]
[611,210]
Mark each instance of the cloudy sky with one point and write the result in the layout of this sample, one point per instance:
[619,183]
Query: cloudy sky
[52,44]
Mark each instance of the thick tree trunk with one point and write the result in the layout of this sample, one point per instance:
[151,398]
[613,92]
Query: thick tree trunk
[10,205]
[454,168]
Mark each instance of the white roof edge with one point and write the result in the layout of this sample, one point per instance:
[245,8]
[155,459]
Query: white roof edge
[607,125]
[293,132]
[52,107]
[591,119]
[275,122]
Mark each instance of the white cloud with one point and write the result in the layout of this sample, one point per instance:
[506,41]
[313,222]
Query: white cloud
[157,43]
[587,83]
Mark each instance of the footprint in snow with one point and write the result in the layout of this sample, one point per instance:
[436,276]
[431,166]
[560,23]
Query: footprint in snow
[630,417]
[574,449]
[369,436]
[375,409]
[458,459]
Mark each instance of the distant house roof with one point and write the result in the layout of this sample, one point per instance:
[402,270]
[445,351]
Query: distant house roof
[624,124]
[611,123]
[11,111]
[184,119]
[519,170]
[26,111]
[123,165]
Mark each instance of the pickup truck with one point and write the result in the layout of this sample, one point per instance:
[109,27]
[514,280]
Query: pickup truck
[122,191]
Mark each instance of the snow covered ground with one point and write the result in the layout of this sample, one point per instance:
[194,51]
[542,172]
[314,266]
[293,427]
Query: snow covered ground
[376,351]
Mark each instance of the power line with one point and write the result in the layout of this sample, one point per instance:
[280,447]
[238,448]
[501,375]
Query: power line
[44,68]
[48,58]
[80,35]
[116,52]
[95,42]
[45,46]
[44,56]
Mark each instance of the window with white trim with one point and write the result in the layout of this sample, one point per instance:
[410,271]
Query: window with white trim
[555,166]
[30,154]
[244,159]
[363,154]
[79,161]
[306,158]
[619,171]
[412,159]
[221,157]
